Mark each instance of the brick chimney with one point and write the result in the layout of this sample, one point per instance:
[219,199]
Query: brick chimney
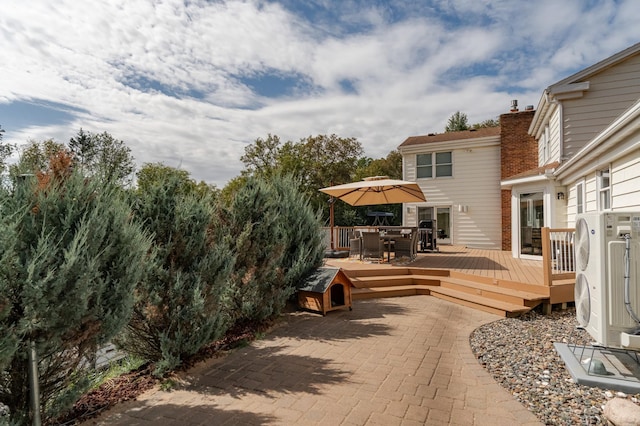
[518,153]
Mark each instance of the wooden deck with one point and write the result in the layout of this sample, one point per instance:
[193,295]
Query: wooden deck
[496,264]
[495,274]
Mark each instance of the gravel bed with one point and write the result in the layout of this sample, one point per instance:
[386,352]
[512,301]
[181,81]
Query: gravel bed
[519,354]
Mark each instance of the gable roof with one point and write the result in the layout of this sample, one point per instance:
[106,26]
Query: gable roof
[597,68]
[320,280]
[451,136]
[574,85]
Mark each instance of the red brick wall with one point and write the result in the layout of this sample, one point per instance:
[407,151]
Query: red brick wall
[518,153]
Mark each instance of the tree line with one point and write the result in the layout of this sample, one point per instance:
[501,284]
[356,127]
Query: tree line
[160,268]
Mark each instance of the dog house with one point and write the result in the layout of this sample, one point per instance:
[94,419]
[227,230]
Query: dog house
[327,289]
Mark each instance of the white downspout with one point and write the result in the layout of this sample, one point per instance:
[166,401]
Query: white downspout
[561,120]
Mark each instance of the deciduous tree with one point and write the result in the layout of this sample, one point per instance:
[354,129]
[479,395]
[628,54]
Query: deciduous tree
[102,155]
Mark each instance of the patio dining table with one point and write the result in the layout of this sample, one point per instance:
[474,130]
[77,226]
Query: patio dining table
[389,239]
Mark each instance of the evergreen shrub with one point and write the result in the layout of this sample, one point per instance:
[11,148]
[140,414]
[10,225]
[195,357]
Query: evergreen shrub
[70,259]
[180,308]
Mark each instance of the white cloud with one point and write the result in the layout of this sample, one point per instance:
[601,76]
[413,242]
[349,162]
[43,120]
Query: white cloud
[412,65]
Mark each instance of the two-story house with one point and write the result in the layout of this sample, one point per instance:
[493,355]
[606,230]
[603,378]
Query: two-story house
[587,128]
[460,175]
[579,151]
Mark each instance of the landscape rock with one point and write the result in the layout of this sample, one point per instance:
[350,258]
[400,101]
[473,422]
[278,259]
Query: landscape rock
[622,412]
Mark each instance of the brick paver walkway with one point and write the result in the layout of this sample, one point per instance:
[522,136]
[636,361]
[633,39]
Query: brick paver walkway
[400,361]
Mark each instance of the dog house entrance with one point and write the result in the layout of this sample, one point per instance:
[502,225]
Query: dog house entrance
[337,295]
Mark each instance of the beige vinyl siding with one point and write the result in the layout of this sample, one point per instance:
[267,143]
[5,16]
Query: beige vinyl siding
[476,184]
[409,167]
[572,208]
[554,133]
[625,182]
[625,188]
[554,140]
[591,194]
[610,93]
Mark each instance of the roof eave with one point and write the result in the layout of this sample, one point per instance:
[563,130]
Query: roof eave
[452,144]
[509,183]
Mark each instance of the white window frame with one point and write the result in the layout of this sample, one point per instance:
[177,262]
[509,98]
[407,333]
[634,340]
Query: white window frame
[604,189]
[580,196]
[433,165]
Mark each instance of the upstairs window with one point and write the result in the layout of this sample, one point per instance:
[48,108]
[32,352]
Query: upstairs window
[604,189]
[424,167]
[444,164]
[434,164]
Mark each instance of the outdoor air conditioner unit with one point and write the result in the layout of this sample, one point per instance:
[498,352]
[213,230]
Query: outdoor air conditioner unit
[607,290]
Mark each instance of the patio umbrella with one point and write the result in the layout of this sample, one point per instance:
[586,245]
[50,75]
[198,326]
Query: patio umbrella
[376,190]
[373,191]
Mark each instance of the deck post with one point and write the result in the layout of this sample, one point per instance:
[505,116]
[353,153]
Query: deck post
[546,256]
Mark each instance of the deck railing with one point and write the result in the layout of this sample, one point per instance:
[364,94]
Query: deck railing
[341,235]
[558,254]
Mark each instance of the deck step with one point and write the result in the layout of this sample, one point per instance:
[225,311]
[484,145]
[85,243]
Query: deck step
[497,296]
[493,291]
[391,291]
[486,304]
[395,280]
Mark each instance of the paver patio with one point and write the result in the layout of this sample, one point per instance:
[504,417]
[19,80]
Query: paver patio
[399,361]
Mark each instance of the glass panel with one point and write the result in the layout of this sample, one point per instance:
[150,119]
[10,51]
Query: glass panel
[425,213]
[579,202]
[444,224]
[605,200]
[446,170]
[531,223]
[443,164]
[604,189]
[424,169]
[443,158]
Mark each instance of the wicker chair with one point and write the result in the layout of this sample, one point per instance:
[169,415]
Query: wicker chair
[372,246]
[355,246]
[407,247]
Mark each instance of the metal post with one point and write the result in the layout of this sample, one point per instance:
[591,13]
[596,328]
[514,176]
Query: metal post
[331,220]
[35,386]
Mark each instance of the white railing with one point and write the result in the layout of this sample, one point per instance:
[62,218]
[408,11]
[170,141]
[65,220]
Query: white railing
[558,254]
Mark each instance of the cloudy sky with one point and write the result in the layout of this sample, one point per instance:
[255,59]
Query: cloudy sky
[190,83]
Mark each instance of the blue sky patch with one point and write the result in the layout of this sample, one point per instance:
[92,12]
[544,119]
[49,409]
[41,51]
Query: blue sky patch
[145,84]
[20,114]
[275,85]
[348,86]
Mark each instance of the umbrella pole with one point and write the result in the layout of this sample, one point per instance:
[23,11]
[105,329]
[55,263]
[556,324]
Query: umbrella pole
[331,219]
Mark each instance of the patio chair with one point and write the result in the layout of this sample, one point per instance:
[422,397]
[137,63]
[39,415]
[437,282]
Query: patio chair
[355,245]
[372,245]
[407,247]
[403,247]
[414,245]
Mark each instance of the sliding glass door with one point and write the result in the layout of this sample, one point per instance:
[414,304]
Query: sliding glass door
[531,223]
